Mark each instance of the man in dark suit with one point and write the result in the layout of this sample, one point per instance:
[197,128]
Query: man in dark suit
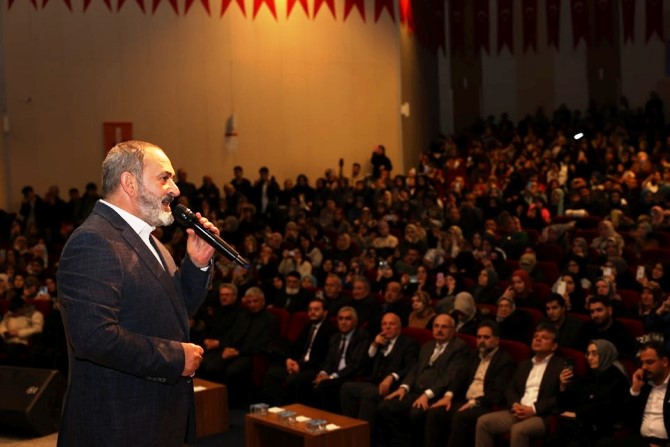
[125,308]
[649,404]
[392,354]
[253,332]
[346,359]
[440,361]
[286,382]
[486,377]
[532,395]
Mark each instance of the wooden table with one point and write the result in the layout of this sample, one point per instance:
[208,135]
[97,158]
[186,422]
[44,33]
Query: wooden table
[211,408]
[267,430]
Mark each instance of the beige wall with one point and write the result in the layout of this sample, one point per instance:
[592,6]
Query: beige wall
[303,92]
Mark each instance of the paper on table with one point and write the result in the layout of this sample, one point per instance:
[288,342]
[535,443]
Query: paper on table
[331,427]
[302,419]
[199,388]
[275,410]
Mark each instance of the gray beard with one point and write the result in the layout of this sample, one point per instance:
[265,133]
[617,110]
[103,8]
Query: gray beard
[151,209]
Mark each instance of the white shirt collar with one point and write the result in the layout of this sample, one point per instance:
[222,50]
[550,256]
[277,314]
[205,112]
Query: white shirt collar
[140,227]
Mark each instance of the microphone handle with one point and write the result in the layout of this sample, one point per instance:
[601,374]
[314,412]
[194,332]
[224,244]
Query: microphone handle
[221,246]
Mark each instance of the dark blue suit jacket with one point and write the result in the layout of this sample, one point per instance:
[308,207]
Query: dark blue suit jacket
[125,318]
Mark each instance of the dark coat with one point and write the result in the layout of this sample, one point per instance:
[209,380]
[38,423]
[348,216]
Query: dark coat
[356,355]
[442,373]
[399,361]
[317,354]
[496,379]
[547,398]
[125,318]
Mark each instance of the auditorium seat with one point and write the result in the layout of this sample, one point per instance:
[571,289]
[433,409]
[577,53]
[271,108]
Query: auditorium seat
[549,252]
[420,335]
[517,350]
[296,324]
[635,328]
[283,317]
[577,357]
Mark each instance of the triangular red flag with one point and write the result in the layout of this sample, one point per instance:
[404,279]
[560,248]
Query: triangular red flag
[119,5]
[380,5]
[44,3]
[603,18]
[291,4]
[349,5]
[140,3]
[87,3]
[481,31]
[505,25]
[205,4]
[628,20]
[440,27]
[580,21]
[9,4]
[457,26]
[318,3]
[406,17]
[654,10]
[175,6]
[108,3]
[226,3]
[553,12]
[154,6]
[529,21]
[271,6]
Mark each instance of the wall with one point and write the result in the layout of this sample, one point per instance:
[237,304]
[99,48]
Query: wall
[303,92]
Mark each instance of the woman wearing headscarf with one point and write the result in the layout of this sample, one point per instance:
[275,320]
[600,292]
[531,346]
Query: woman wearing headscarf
[589,404]
[608,242]
[521,287]
[465,314]
[446,290]
[486,291]
[573,293]
[514,324]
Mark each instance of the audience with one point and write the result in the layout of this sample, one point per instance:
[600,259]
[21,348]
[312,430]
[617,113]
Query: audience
[480,211]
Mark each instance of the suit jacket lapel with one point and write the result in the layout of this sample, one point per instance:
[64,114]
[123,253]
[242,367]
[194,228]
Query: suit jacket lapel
[166,278]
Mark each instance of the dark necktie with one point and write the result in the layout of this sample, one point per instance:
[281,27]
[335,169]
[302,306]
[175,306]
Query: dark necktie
[341,352]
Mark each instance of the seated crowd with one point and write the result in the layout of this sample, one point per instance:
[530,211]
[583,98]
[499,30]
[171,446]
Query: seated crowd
[513,284]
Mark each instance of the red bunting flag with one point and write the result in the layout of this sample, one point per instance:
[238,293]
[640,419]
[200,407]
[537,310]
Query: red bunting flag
[406,17]
[553,19]
[205,4]
[654,11]
[269,3]
[380,5]
[319,3]
[226,3]
[580,21]
[440,31]
[349,5]
[628,19]
[481,35]
[68,3]
[529,21]
[156,3]
[457,26]
[9,4]
[505,25]
[109,4]
[141,5]
[603,19]
[291,4]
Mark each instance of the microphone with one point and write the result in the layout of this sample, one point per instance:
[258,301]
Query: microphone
[187,218]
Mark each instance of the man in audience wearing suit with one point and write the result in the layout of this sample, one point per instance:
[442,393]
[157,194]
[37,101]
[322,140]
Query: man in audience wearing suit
[291,380]
[395,302]
[346,359]
[222,318]
[293,298]
[392,354]
[332,293]
[531,395]
[649,405]
[440,362]
[487,375]
[253,331]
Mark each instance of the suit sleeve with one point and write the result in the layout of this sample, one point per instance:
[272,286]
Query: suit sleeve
[90,282]
[494,394]
[357,357]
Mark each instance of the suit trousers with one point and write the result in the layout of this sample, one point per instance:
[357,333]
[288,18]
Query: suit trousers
[452,428]
[360,400]
[399,422]
[500,422]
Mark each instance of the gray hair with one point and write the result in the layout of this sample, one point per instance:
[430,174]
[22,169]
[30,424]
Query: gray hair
[349,309]
[124,157]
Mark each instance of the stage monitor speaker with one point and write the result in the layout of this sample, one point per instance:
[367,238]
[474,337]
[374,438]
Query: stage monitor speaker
[31,399]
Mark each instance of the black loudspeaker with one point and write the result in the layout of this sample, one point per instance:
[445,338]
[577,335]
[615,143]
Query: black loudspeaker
[31,399]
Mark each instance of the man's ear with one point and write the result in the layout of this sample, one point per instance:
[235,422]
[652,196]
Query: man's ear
[129,184]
